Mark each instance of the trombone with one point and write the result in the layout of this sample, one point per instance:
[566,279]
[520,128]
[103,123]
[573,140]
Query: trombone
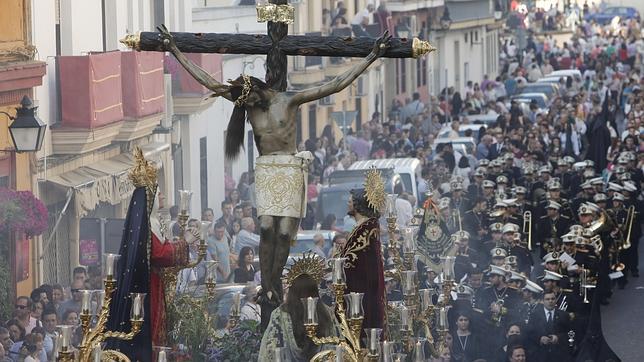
[527,227]
[629,221]
[585,284]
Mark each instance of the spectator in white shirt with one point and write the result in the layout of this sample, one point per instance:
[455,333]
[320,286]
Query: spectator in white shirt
[247,236]
[318,246]
[251,310]
[360,20]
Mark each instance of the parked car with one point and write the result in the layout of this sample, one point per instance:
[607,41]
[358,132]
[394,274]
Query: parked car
[549,80]
[304,241]
[334,198]
[566,73]
[223,297]
[408,168]
[475,128]
[540,98]
[549,89]
[460,144]
[485,119]
[605,16]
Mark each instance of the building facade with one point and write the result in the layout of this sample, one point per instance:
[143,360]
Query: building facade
[21,73]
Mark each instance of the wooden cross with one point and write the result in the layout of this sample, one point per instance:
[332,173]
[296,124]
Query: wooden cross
[278,230]
[277,44]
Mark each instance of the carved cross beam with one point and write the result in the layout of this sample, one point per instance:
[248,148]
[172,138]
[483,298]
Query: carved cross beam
[330,46]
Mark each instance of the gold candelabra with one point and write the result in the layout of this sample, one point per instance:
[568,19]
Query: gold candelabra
[348,344]
[418,304]
[170,274]
[93,336]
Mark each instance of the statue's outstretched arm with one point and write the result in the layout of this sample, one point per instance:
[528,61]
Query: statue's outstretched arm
[196,71]
[343,80]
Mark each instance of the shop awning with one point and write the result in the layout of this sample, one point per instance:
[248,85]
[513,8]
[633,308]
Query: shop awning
[103,181]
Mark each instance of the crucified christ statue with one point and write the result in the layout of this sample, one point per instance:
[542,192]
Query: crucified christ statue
[281,173]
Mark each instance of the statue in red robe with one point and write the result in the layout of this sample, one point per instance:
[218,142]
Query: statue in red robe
[164,254]
[364,267]
[144,251]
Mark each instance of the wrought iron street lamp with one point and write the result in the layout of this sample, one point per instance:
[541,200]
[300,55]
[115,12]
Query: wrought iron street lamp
[445,20]
[27,129]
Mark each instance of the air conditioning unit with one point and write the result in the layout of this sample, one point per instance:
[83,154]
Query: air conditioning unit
[327,101]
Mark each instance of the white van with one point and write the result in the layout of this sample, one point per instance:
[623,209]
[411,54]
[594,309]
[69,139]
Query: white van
[576,73]
[409,170]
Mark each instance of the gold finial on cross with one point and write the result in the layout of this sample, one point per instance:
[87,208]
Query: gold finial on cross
[277,13]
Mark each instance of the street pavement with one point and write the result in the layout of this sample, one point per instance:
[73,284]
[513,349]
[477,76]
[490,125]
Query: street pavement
[623,319]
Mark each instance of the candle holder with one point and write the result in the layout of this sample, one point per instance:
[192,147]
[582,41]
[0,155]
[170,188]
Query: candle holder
[399,357]
[348,344]
[419,350]
[338,276]
[391,214]
[184,208]
[109,265]
[373,343]
[211,277]
[94,337]
[161,353]
[356,313]
[65,351]
[387,349]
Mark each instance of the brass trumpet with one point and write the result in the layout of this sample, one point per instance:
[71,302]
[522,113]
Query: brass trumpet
[527,227]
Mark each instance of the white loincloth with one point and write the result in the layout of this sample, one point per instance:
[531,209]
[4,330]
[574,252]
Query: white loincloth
[280,184]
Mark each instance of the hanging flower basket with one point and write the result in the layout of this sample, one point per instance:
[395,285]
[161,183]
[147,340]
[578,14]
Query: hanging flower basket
[21,211]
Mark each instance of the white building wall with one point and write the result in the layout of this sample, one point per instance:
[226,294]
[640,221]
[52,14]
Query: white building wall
[43,25]
[81,26]
[214,121]
[467,62]
[204,124]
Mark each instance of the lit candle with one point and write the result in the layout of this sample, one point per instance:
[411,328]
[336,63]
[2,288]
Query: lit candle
[86,301]
[373,342]
[205,227]
[409,239]
[100,297]
[391,205]
[337,274]
[409,282]
[236,307]
[425,299]
[162,357]
[404,319]
[98,352]
[184,200]
[136,306]
[58,341]
[66,336]
[311,304]
[211,270]
[355,305]
[442,318]
[110,260]
[386,351]
[448,268]
[419,355]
